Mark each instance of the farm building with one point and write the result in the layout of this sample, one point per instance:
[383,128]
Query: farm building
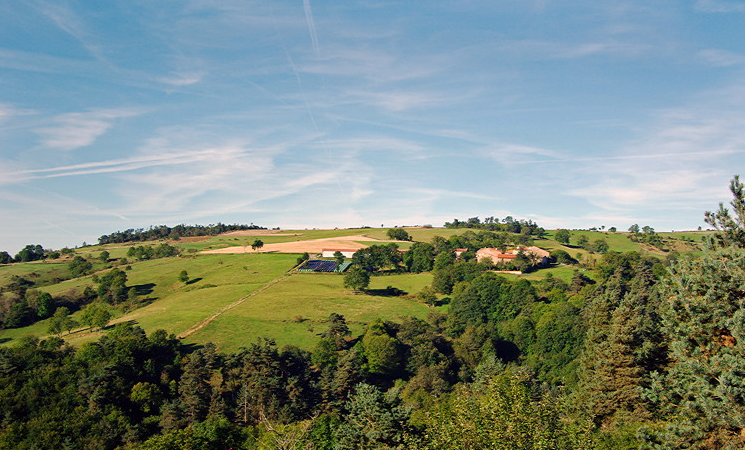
[539,256]
[495,255]
[460,251]
[329,252]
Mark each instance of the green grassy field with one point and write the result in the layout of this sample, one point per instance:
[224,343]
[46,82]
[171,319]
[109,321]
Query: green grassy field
[292,311]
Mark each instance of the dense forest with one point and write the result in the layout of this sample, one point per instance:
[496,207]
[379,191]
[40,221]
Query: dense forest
[648,354]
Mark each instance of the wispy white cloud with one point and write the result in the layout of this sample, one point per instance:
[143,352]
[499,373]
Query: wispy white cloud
[374,64]
[8,111]
[404,149]
[721,58]
[682,161]
[720,6]
[534,49]
[75,130]
[70,22]
[508,154]
[182,79]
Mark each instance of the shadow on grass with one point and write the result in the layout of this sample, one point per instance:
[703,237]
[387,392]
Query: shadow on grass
[4,340]
[195,280]
[190,348]
[441,302]
[389,291]
[144,289]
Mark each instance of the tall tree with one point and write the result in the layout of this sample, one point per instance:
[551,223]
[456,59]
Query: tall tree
[730,226]
[703,316]
[562,236]
[398,234]
[257,244]
[622,348]
[356,279]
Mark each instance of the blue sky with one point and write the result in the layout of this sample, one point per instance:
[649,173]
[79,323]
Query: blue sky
[309,113]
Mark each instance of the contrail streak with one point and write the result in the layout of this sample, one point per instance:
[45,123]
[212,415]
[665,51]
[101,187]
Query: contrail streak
[311,25]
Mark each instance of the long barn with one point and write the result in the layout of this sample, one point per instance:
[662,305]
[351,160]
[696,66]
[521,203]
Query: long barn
[329,252]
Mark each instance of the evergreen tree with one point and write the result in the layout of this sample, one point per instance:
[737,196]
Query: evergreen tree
[623,346]
[374,420]
[703,317]
[704,322]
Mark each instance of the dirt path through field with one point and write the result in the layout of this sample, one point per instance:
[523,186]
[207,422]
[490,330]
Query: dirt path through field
[224,309]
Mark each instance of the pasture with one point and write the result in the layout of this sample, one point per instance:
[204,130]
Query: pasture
[232,299]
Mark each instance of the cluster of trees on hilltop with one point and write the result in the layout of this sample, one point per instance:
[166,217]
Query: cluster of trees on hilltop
[165,232]
[31,252]
[527,227]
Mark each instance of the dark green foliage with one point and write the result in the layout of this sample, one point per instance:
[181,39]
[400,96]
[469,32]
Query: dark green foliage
[323,432]
[44,305]
[339,257]
[257,244]
[377,257]
[356,278]
[559,335]
[195,390]
[163,232]
[183,276]
[149,252]
[508,224]
[374,420]
[212,434]
[95,316]
[79,266]
[104,256]
[730,229]
[703,316]
[337,331]
[420,258]
[562,236]
[562,257]
[112,286]
[53,397]
[398,234]
[276,384]
[30,253]
[623,346]
[5,258]
[583,241]
[383,351]
[444,279]
[302,258]
[444,259]
[490,297]
[505,413]
[600,246]
[61,321]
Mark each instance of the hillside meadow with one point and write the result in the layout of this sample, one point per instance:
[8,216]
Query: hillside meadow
[232,299]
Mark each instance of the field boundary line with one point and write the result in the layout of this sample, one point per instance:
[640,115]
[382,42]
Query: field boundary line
[227,308]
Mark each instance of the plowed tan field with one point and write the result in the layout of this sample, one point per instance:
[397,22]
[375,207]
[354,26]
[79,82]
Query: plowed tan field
[310,246]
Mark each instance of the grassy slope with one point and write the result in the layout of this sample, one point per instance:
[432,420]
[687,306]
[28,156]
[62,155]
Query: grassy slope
[294,310]
[177,307]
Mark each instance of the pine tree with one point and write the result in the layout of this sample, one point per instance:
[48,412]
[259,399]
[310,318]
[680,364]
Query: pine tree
[703,316]
[622,347]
